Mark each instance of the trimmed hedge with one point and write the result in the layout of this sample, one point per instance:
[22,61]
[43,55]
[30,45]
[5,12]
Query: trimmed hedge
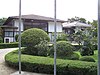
[87,58]
[74,56]
[32,37]
[45,65]
[8,45]
[63,49]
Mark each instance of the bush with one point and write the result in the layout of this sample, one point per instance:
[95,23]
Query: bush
[88,48]
[8,45]
[86,51]
[77,47]
[1,39]
[45,65]
[32,37]
[62,37]
[87,58]
[73,56]
[16,37]
[63,49]
[42,48]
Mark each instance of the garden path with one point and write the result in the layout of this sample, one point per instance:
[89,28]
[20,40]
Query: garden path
[4,69]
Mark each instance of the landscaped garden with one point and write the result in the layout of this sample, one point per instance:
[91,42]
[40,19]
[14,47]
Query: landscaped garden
[42,64]
[37,55]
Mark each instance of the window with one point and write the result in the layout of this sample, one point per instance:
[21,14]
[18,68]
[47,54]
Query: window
[10,33]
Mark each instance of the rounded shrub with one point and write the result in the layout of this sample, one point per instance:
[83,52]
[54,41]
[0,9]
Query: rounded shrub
[63,49]
[87,58]
[74,56]
[42,48]
[31,38]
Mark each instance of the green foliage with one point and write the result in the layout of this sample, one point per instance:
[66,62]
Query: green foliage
[45,65]
[73,56]
[63,49]
[2,20]
[1,39]
[62,37]
[87,58]
[77,47]
[1,31]
[94,27]
[31,38]
[78,37]
[42,48]
[82,20]
[88,48]
[8,45]
[86,51]
[95,56]
[16,37]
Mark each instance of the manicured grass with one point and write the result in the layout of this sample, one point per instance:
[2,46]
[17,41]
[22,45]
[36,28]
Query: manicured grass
[45,65]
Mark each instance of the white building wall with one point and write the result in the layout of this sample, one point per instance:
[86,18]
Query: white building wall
[10,39]
[16,24]
[51,26]
[51,29]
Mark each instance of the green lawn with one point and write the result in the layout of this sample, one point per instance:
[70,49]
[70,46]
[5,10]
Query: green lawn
[42,64]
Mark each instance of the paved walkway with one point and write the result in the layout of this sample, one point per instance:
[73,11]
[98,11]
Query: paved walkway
[5,70]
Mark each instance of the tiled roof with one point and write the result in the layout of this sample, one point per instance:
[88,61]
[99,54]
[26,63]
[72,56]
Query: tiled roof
[33,17]
[37,17]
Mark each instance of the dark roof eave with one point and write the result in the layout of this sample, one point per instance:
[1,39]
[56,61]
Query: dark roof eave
[33,17]
[9,27]
[39,19]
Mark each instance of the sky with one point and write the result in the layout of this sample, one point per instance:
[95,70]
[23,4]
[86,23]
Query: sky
[65,8]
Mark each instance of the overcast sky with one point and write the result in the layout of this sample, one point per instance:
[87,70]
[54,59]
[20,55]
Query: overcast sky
[65,8]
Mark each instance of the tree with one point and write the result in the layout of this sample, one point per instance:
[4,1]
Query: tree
[2,20]
[82,20]
[78,37]
[94,27]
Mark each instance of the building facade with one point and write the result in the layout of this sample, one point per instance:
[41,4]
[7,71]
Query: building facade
[11,26]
